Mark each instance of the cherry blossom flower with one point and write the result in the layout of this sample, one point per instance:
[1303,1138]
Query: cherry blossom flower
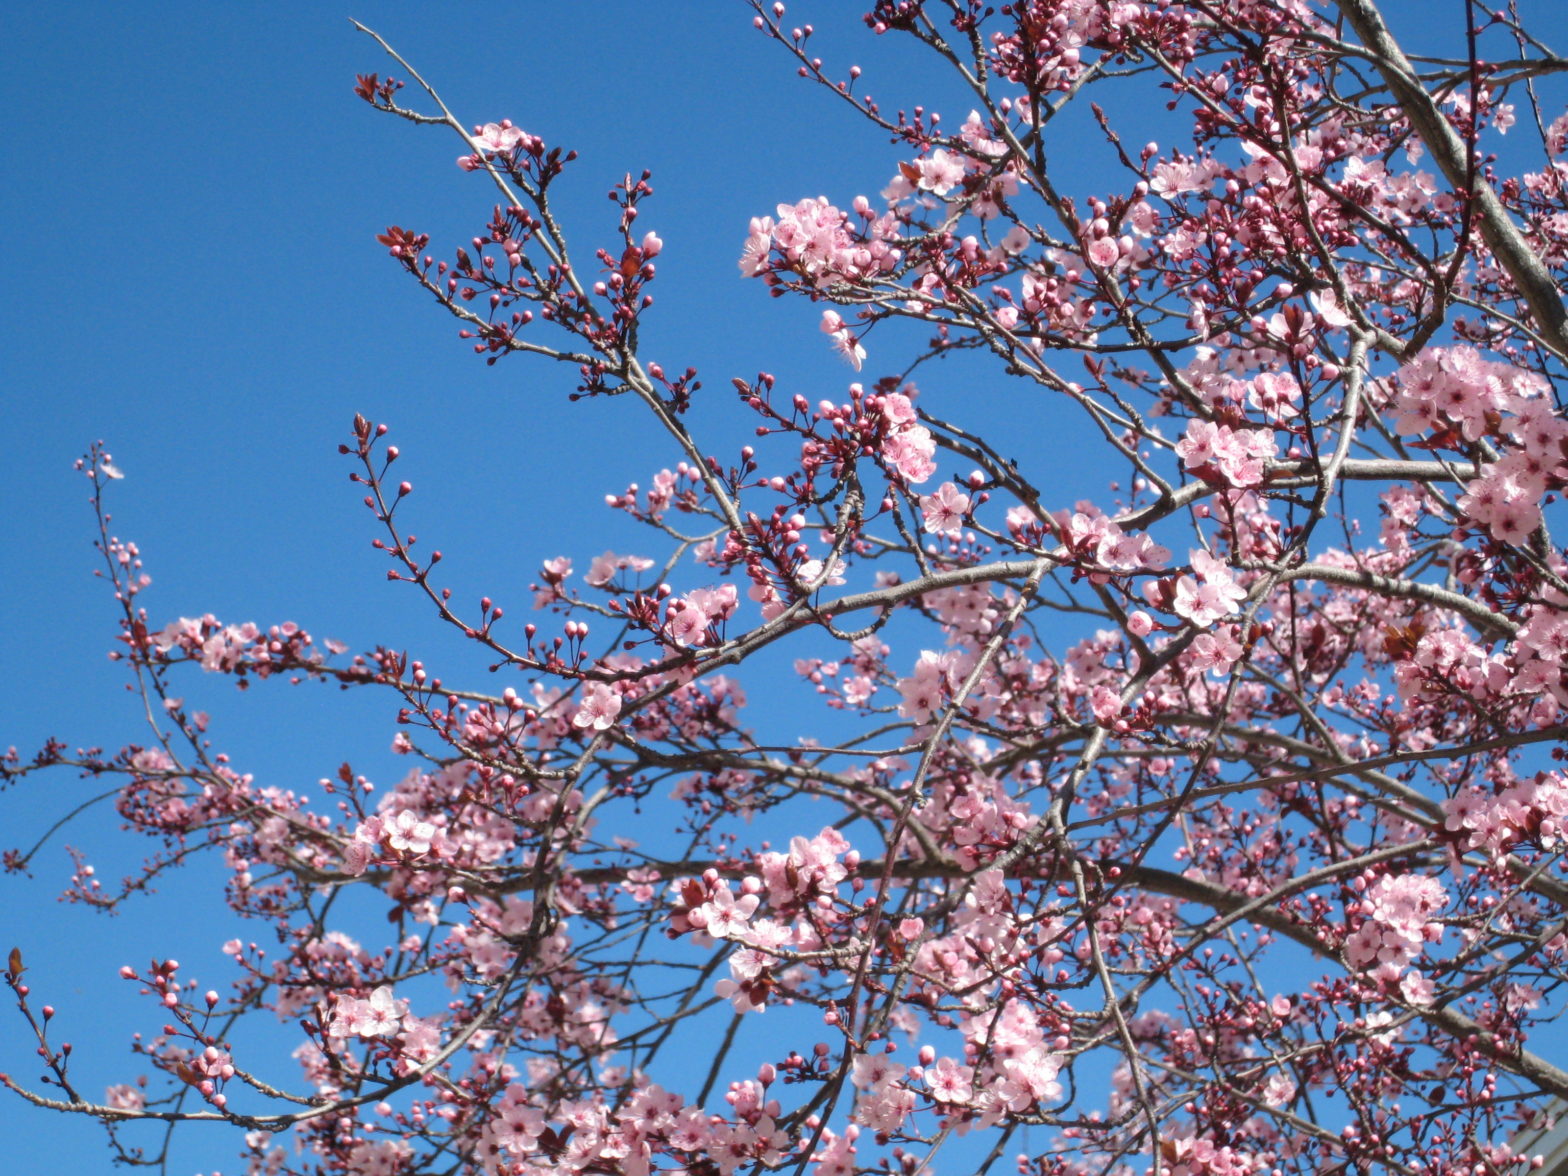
[499,137]
[815,573]
[1397,922]
[944,511]
[844,342]
[849,349]
[940,172]
[1103,252]
[125,1098]
[949,1081]
[407,832]
[604,567]
[379,1016]
[599,706]
[1213,594]
[724,916]
[1236,456]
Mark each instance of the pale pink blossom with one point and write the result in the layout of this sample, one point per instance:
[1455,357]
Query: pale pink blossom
[408,832]
[909,451]
[944,511]
[499,137]
[950,1081]
[1103,252]
[125,1098]
[604,567]
[1213,593]
[940,172]
[849,349]
[724,916]
[1234,456]
[379,1016]
[813,573]
[599,706]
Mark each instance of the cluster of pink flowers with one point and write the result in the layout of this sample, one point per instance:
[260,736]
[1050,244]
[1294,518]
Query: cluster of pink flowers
[1449,659]
[907,445]
[1021,1067]
[711,908]
[1232,457]
[1096,541]
[813,240]
[885,1099]
[978,820]
[398,836]
[604,568]
[1454,392]
[1201,1156]
[812,869]
[1539,651]
[689,617]
[924,691]
[1211,593]
[217,647]
[1051,55]
[226,648]
[1534,809]
[379,1015]
[1396,922]
[512,1133]
[597,707]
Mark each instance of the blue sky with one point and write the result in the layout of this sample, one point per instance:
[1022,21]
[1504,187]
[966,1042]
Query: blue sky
[191,199]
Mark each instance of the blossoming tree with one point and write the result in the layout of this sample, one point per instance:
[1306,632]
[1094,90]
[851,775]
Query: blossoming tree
[1205,817]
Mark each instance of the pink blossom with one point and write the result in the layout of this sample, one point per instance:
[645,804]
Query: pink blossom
[1235,455]
[724,916]
[599,706]
[875,1071]
[909,451]
[1172,177]
[812,240]
[604,567]
[379,1016]
[1557,135]
[687,623]
[1215,651]
[1325,305]
[849,349]
[125,1098]
[813,573]
[944,511]
[747,996]
[1106,704]
[1103,252]
[949,1081]
[924,691]
[940,172]
[499,137]
[1396,911]
[407,832]
[1212,595]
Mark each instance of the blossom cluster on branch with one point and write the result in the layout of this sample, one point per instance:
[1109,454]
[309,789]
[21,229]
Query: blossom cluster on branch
[1192,808]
